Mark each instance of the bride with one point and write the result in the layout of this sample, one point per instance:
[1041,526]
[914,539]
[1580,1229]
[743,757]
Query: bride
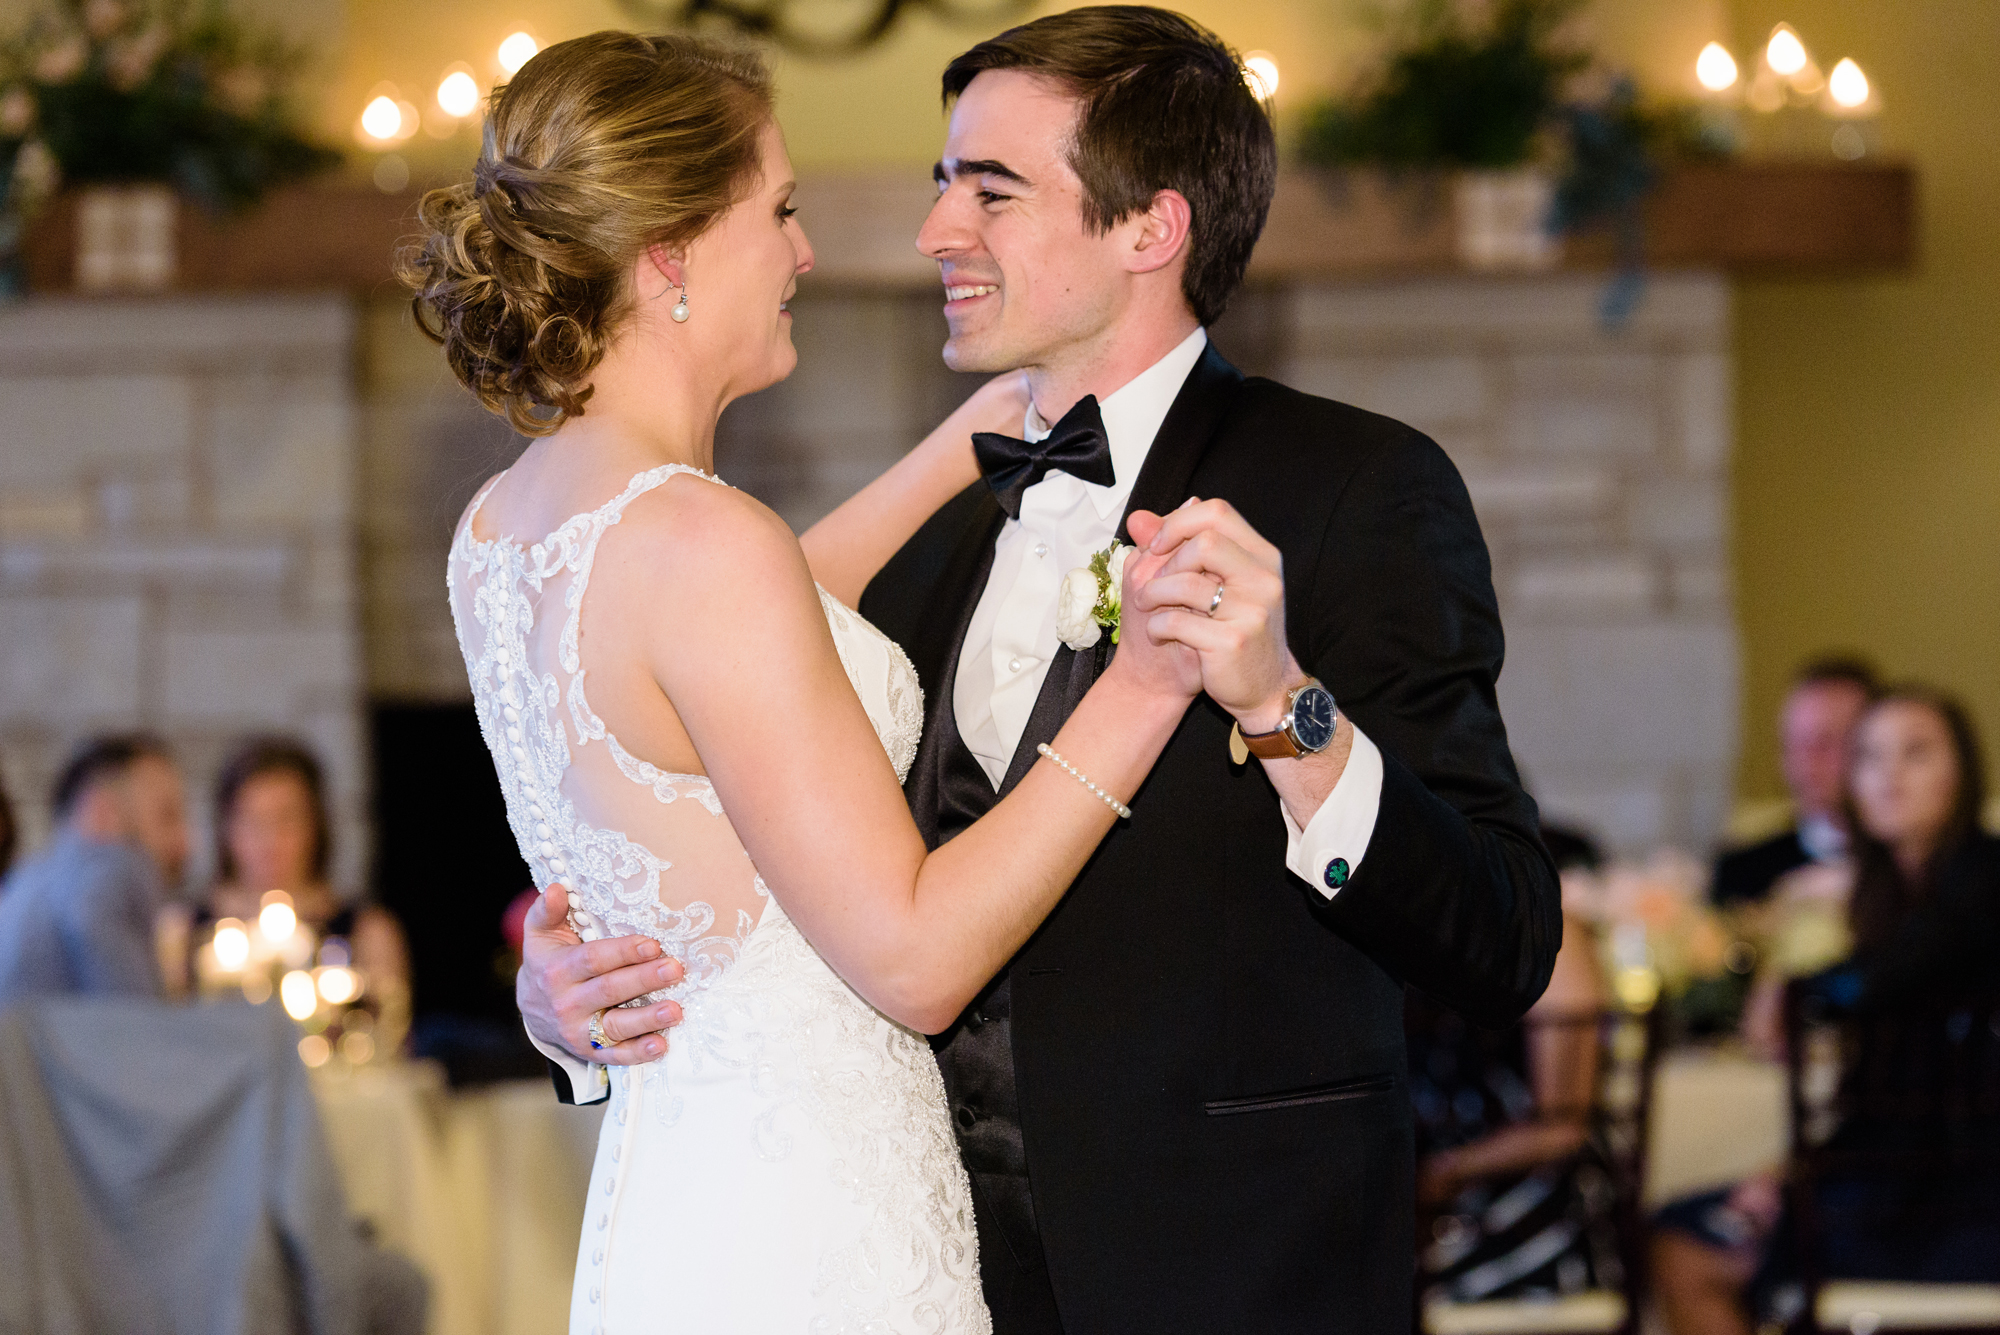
[705,745]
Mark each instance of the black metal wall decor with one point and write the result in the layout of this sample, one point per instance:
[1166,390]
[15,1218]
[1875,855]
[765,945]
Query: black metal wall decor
[814,27]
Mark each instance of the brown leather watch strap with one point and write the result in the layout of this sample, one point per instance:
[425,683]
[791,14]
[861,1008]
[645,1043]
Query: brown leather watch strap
[1276,745]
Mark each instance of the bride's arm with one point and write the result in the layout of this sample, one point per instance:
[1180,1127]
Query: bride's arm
[846,548]
[812,795]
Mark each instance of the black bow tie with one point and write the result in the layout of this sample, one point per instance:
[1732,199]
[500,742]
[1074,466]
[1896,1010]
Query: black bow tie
[1077,446]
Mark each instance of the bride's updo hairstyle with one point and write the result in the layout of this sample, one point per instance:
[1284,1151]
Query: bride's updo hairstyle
[599,148]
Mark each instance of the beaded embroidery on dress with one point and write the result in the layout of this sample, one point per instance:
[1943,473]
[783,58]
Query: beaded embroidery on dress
[789,1164]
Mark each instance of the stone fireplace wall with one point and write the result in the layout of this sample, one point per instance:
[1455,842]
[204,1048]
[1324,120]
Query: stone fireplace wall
[177,538]
[1599,465]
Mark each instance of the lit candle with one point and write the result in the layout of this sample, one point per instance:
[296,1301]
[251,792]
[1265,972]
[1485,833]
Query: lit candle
[1715,69]
[1260,71]
[517,50]
[458,92]
[1785,53]
[1847,86]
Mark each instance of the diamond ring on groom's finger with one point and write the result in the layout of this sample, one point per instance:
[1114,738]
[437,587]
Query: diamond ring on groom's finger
[598,1038]
[1216,601]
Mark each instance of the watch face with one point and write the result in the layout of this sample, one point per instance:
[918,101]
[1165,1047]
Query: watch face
[1313,718]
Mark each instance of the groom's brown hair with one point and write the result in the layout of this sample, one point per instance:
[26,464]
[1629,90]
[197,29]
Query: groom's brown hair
[1166,106]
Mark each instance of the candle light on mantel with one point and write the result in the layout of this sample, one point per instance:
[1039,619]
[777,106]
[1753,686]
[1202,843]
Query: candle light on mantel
[1260,71]
[1852,103]
[1715,69]
[517,49]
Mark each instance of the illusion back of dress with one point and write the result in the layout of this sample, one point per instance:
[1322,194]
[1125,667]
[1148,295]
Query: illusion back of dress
[640,849]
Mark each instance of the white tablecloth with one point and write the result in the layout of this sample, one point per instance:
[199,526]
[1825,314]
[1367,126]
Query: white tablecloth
[1718,1116]
[483,1189]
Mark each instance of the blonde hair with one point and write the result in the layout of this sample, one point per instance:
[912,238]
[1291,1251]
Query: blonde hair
[599,148]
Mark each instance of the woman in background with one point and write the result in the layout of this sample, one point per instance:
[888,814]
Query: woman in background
[1920,899]
[272,833]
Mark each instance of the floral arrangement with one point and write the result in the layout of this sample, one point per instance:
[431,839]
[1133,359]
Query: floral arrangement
[1658,935]
[170,91]
[1092,597]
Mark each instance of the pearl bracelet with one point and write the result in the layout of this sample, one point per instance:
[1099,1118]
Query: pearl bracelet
[1124,812]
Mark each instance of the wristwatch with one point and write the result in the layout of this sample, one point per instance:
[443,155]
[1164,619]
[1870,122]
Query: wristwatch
[1306,729]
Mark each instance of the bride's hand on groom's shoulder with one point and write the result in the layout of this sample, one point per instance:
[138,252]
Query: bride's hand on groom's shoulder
[1217,586]
[564,980]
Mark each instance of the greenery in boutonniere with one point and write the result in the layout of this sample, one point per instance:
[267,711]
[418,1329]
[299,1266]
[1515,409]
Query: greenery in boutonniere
[178,92]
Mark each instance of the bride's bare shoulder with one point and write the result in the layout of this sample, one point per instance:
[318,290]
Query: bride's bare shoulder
[694,539]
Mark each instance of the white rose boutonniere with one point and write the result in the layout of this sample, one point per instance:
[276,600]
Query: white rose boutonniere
[1091,598]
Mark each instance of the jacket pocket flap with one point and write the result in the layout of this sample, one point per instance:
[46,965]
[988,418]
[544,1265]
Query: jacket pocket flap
[1336,1092]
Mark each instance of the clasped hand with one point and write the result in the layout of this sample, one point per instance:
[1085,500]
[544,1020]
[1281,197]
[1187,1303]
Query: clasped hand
[1210,583]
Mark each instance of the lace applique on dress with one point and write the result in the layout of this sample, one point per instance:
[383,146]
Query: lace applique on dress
[616,882]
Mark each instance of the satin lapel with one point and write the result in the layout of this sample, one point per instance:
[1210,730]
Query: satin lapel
[934,652]
[1205,398]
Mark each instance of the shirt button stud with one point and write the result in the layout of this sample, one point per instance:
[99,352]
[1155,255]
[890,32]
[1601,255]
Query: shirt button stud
[1336,873]
[1013,665]
[1041,549]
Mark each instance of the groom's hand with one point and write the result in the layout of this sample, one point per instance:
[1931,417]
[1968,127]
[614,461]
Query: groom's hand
[564,980]
[1246,666]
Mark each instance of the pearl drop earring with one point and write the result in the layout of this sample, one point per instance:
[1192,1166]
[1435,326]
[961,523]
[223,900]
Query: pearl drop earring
[680,310]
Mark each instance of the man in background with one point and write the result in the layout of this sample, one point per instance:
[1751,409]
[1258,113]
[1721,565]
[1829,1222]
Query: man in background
[1827,698]
[79,917]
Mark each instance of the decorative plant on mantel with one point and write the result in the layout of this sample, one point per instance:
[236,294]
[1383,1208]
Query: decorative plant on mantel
[163,92]
[1452,93]
[1496,99]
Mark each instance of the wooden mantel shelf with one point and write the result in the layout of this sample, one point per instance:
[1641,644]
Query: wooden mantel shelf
[1793,218]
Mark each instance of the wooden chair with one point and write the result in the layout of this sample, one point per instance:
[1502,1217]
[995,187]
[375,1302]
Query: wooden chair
[1628,1051]
[1925,1083]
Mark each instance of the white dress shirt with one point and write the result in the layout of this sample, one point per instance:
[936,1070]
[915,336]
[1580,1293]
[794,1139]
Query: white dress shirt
[1012,640]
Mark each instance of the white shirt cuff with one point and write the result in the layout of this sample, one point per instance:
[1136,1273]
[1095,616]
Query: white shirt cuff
[1329,850]
[588,1081]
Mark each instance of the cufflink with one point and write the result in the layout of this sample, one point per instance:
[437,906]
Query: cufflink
[1336,873]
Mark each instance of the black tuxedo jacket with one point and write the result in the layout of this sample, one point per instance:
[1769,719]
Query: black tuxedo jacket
[1209,1054]
[1746,875]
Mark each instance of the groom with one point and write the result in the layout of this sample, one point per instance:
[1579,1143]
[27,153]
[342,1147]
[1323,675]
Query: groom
[1183,1104]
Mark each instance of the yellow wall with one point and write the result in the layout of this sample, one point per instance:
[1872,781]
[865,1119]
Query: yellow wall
[1868,412]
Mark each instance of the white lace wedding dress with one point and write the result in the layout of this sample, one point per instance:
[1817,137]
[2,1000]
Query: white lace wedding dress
[788,1165]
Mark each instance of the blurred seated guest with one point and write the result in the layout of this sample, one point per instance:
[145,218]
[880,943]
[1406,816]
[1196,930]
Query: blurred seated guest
[1826,700]
[80,916]
[1517,1195]
[272,833]
[1915,917]
[10,831]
